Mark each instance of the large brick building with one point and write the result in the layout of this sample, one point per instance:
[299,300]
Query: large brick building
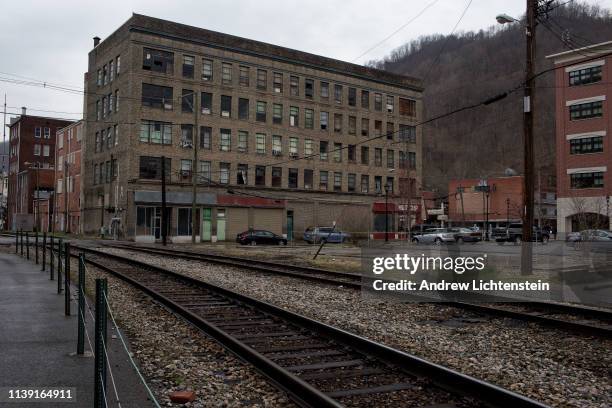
[497,201]
[583,122]
[67,200]
[31,165]
[286,139]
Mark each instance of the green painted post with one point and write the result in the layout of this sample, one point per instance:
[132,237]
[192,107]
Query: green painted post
[100,342]
[52,269]
[67,279]
[81,319]
[44,252]
[59,266]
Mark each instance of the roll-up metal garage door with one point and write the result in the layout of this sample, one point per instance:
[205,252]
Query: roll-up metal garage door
[237,222]
[270,219]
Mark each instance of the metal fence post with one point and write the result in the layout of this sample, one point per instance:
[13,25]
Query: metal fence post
[67,278]
[16,241]
[27,245]
[44,252]
[100,340]
[81,318]
[59,266]
[52,269]
[36,246]
[21,239]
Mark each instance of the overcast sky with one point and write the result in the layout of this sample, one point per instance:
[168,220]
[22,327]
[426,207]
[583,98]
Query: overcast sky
[49,40]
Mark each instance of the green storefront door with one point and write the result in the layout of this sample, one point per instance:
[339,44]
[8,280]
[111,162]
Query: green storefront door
[220,225]
[206,224]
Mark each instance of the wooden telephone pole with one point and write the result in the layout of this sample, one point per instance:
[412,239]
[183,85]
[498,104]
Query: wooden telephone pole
[528,108]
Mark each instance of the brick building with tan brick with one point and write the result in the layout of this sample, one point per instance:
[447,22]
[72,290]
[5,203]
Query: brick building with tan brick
[285,139]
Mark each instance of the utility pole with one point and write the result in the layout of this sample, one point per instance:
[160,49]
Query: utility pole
[164,220]
[460,188]
[4,212]
[528,108]
[194,179]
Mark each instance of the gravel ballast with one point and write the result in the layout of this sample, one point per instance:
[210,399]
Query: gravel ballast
[552,366]
[175,356]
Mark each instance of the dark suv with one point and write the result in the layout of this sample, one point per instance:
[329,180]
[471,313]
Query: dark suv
[514,233]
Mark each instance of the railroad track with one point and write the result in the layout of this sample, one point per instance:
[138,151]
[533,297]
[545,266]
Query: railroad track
[316,364]
[574,318]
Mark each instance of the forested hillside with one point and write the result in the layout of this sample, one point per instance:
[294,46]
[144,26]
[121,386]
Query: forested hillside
[468,67]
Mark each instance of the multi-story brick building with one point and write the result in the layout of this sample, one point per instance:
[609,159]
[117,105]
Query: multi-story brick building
[583,120]
[497,201]
[67,199]
[286,139]
[31,166]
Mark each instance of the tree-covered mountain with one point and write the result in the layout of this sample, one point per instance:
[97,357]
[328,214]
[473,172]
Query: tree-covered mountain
[468,67]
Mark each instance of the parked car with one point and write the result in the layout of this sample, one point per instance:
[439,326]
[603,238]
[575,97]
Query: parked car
[419,229]
[466,235]
[315,235]
[260,237]
[590,235]
[436,236]
[514,233]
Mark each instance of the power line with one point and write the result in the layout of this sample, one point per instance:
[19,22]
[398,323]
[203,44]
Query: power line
[435,61]
[397,31]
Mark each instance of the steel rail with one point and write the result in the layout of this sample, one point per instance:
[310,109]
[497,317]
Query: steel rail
[354,281]
[443,377]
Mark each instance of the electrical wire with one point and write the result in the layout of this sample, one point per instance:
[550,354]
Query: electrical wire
[435,61]
[397,30]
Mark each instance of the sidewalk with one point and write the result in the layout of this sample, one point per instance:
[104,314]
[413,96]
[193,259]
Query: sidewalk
[38,342]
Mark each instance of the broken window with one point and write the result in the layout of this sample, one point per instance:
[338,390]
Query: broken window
[158,61]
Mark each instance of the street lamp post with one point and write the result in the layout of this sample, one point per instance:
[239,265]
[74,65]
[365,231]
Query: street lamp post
[528,106]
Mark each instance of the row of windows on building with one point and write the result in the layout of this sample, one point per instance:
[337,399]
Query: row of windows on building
[305,118]
[72,133]
[71,159]
[69,181]
[105,172]
[587,180]
[44,150]
[586,145]
[44,132]
[106,138]
[585,76]
[106,105]
[161,133]
[150,168]
[106,74]
[586,110]
[163,62]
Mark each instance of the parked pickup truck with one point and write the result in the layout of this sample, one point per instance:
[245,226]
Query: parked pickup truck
[514,233]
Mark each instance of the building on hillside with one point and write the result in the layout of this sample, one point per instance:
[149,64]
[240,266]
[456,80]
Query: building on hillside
[583,122]
[67,201]
[285,139]
[497,201]
[31,166]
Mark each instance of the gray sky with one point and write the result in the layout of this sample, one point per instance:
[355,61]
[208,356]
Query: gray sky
[49,40]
